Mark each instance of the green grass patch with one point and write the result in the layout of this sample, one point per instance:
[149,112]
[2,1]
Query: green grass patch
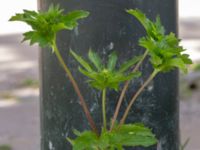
[30,83]
[7,95]
[5,147]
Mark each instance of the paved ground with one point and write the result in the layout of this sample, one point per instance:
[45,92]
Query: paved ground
[189,106]
[19,104]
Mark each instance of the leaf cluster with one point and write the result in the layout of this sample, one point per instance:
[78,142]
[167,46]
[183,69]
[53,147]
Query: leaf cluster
[164,50]
[165,55]
[106,76]
[45,25]
[130,135]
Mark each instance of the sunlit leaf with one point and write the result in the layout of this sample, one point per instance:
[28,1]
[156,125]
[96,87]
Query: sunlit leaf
[112,61]
[45,25]
[125,66]
[129,135]
[164,50]
[179,63]
[72,18]
[81,61]
[106,76]
[95,59]
[133,135]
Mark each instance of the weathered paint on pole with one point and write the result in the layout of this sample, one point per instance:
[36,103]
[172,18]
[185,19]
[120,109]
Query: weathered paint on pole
[107,28]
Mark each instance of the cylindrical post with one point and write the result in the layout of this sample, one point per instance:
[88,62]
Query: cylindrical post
[107,28]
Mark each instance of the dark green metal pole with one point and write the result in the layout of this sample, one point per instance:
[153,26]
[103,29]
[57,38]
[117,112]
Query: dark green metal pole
[108,28]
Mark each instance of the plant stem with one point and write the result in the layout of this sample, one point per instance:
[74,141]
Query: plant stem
[104,108]
[76,88]
[124,91]
[136,95]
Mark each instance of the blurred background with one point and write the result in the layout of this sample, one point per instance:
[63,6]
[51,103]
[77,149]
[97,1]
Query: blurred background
[19,102]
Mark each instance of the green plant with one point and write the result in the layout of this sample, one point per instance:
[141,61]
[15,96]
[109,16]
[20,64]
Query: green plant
[196,67]
[7,95]
[30,83]
[165,55]
[184,145]
[5,147]
[45,26]
[106,76]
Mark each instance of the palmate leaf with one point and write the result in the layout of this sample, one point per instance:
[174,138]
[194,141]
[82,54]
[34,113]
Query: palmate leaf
[177,62]
[129,135]
[87,140]
[81,61]
[35,37]
[106,76]
[141,17]
[27,17]
[153,29]
[125,66]
[112,61]
[110,80]
[133,135]
[72,18]
[121,77]
[164,50]
[186,59]
[133,75]
[95,59]
[45,25]
[92,75]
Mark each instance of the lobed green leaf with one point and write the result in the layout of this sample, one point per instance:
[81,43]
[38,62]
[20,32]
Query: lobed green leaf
[95,59]
[71,18]
[164,50]
[125,66]
[81,61]
[108,77]
[112,61]
[45,25]
[130,135]
[133,135]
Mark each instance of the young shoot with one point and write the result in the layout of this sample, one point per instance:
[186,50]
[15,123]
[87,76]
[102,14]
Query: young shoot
[103,76]
[45,26]
[164,54]
[164,50]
